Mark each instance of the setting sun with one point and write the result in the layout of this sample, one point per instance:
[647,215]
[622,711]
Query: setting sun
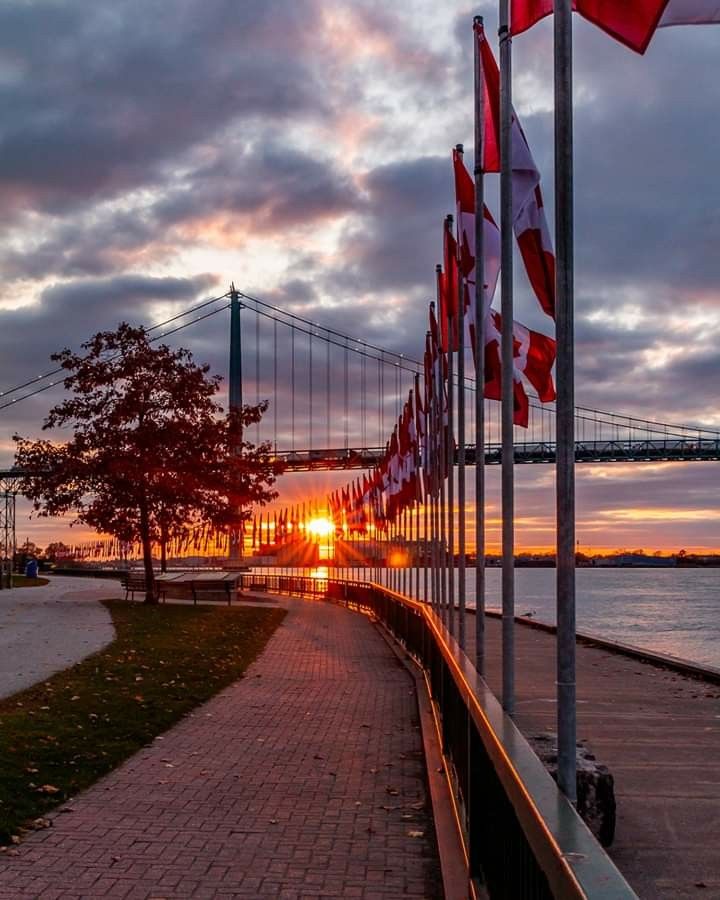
[320,527]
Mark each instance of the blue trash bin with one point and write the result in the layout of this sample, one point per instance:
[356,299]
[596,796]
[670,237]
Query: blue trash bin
[31,568]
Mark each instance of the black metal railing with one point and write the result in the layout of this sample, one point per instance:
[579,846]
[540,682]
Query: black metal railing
[524,839]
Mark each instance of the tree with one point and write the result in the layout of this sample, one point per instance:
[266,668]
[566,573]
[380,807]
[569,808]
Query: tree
[56,550]
[151,453]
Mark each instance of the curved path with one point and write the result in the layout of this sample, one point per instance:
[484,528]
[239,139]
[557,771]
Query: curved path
[304,779]
[46,629]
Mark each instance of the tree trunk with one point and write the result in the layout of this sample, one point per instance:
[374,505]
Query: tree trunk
[163,548]
[150,595]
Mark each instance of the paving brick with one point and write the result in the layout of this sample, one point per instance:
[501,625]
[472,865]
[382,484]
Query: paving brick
[280,787]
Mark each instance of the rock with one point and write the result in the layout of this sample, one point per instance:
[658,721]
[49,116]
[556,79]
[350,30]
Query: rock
[595,786]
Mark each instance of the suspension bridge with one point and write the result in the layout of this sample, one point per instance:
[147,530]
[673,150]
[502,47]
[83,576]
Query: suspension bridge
[319,421]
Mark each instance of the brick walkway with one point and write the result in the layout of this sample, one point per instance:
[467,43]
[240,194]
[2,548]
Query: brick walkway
[304,779]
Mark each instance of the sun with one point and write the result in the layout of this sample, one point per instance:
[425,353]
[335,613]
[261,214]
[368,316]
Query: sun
[320,527]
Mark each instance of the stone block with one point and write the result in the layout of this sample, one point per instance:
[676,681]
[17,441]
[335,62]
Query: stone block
[595,786]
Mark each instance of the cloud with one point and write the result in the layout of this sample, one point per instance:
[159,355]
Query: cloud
[65,316]
[109,106]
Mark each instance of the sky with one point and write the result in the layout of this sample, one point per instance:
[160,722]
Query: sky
[302,149]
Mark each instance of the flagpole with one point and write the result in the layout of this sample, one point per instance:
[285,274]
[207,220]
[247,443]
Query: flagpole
[442,469]
[565,422]
[450,457]
[415,541]
[461,433]
[479,366]
[508,450]
[425,536]
[405,573]
[432,450]
[236,548]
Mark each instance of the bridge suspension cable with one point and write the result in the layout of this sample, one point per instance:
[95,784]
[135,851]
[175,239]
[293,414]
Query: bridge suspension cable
[590,423]
[152,328]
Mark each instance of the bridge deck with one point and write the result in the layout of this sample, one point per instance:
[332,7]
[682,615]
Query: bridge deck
[659,734]
[526,452]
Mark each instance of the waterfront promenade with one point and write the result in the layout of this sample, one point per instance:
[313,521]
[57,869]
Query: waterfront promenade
[304,779]
[659,734]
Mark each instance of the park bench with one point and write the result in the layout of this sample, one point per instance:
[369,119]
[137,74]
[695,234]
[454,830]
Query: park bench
[213,590]
[198,587]
[135,582]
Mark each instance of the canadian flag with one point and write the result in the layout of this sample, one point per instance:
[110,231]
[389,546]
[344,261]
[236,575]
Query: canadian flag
[533,357]
[493,377]
[465,202]
[529,222]
[631,23]
[448,281]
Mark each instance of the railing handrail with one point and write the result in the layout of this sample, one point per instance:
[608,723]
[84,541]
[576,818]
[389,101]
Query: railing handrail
[573,862]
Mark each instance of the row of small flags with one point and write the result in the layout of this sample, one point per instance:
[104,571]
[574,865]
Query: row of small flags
[417,455]
[265,530]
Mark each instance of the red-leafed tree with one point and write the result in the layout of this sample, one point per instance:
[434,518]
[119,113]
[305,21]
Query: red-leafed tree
[151,453]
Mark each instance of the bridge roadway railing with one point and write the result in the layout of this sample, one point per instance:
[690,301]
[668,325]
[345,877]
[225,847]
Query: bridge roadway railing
[656,449]
[523,838]
[670,449]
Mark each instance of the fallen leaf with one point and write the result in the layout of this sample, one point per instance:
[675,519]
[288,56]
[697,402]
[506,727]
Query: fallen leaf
[416,834]
[48,789]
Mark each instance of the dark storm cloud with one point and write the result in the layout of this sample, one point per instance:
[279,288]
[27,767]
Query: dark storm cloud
[99,100]
[276,185]
[68,314]
[399,240]
[646,138]
[249,190]
[381,287]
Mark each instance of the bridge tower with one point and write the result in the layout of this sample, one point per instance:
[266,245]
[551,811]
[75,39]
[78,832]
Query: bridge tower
[235,398]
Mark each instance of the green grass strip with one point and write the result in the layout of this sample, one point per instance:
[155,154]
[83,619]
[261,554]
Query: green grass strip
[60,736]
[24,581]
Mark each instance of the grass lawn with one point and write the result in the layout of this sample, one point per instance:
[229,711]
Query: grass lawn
[60,736]
[24,581]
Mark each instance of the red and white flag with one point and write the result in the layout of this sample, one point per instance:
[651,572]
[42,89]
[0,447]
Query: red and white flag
[533,358]
[529,222]
[465,202]
[631,23]
[448,281]
[493,377]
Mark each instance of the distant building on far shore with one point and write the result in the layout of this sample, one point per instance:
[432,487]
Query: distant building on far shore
[625,560]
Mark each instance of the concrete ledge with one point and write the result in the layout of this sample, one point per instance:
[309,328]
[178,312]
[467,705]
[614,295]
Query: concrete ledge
[663,660]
